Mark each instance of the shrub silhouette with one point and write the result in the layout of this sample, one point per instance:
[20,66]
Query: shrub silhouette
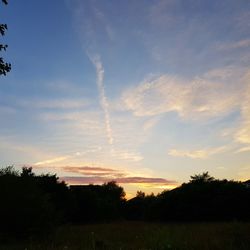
[97,202]
[27,205]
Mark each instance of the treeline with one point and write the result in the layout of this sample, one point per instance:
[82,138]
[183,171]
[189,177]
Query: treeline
[36,204]
[203,198]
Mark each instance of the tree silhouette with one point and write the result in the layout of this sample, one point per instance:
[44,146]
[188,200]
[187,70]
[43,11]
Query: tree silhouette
[97,202]
[36,204]
[4,67]
[140,194]
[200,178]
[30,204]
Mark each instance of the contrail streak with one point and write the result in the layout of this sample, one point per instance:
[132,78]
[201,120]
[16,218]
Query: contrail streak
[96,60]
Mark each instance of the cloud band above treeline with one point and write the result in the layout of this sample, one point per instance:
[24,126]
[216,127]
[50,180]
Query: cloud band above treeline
[127,180]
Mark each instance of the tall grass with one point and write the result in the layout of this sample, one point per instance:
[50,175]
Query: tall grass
[144,236]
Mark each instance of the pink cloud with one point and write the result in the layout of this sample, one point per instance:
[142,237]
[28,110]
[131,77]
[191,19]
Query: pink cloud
[125,180]
[94,171]
[87,169]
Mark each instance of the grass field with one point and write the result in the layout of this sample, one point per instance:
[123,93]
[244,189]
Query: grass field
[133,235]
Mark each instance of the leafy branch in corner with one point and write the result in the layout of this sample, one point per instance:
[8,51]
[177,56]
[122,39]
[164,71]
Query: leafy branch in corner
[4,67]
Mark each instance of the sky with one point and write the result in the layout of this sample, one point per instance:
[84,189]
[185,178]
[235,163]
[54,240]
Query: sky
[146,93]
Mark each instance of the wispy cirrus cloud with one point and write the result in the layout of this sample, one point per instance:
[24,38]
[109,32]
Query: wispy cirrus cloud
[150,123]
[99,15]
[244,43]
[243,149]
[13,145]
[96,60]
[214,94]
[51,161]
[127,155]
[197,154]
[208,96]
[89,19]
[92,23]
[243,133]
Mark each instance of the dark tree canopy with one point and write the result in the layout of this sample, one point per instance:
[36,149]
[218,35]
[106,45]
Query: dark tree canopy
[199,178]
[4,66]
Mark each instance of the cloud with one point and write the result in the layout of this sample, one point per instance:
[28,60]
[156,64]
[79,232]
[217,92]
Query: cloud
[92,117]
[95,59]
[244,173]
[243,149]
[88,151]
[50,161]
[99,15]
[92,24]
[242,21]
[212,95]
[197,154]
[12,145]
[235,45]
[162,14]
[150,123]
[95,171]
[95,29]
[243,133]
[86,169]
[126,155]
[124,180]
[55,103]
[98,175]
[72,125]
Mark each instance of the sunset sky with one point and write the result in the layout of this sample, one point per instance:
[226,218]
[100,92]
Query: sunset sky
[143,92]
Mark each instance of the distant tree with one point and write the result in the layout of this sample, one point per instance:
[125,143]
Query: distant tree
[113,198]
[95,203]
[204,177]
[27,172]
[205,198]
[8,171]
[4,67]
[30,204]
[140,194]
[114,191]
[141,207]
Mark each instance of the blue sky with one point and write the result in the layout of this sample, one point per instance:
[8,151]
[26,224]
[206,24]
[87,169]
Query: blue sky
[144,92]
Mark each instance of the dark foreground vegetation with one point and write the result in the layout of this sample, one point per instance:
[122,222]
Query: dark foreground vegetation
[143,236]
[40,208]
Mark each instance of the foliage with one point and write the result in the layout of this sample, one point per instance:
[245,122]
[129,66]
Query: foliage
[97,203]
[36,204]
[27,202]
[201,178]
[202,199]
[141,235]
[4,67]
